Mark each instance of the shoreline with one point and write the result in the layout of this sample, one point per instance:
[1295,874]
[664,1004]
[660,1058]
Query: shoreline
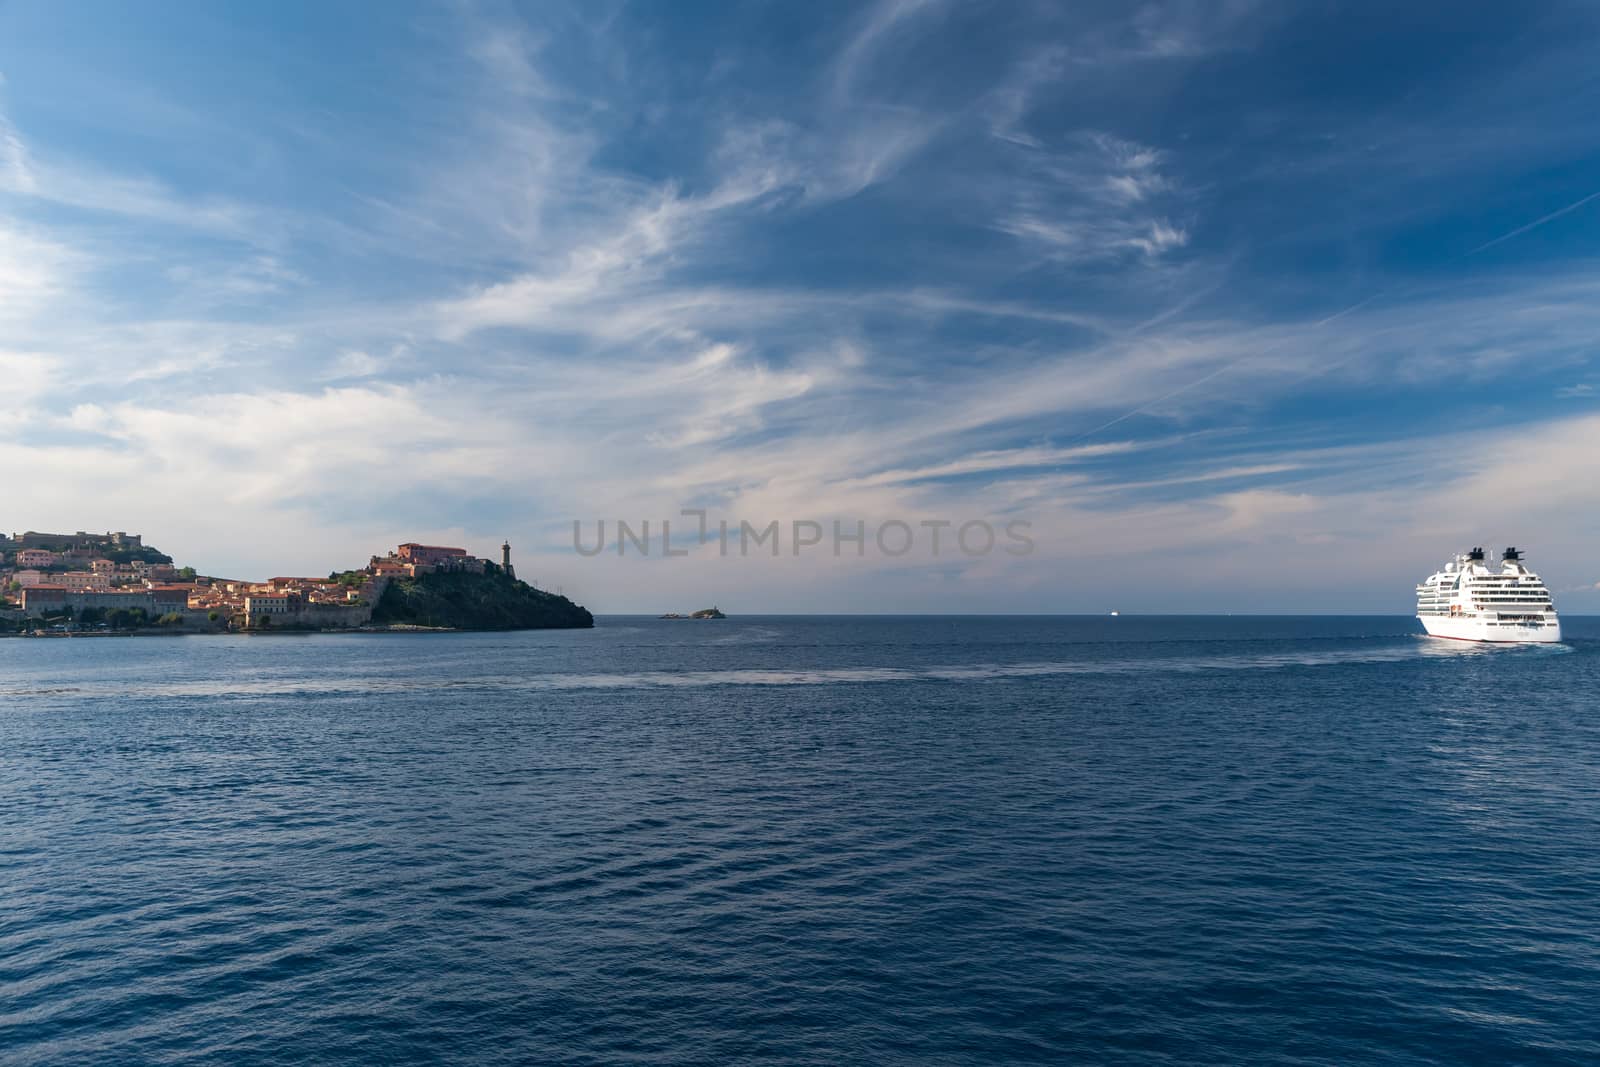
[396,629]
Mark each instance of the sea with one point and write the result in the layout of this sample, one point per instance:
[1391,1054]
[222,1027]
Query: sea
[803,840]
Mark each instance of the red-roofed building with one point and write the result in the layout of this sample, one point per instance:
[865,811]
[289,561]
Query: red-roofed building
[411,552]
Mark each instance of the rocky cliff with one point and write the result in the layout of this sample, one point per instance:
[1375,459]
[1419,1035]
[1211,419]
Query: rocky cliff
[491,601]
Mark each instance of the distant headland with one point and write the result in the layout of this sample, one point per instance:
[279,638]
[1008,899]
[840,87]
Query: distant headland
[703,613]
[86,583]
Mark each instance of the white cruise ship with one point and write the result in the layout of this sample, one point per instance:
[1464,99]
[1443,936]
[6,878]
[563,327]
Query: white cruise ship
[1470,602]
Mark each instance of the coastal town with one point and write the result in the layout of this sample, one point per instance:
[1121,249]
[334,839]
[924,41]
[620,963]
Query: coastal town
[113,581]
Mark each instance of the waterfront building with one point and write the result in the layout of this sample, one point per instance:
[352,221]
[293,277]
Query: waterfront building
[54,597]
[82,581]
[39,599]
[269,603]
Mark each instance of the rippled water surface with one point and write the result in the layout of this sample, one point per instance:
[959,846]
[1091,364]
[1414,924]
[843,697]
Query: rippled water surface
[803,841]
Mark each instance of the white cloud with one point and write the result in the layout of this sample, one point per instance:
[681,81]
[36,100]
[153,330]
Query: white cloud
[880,26]
[34,270]
[507,52]
[1096,198]
[75,185]
[16,173]
[353,363]
[611,265]
[1251,508]
[24,378]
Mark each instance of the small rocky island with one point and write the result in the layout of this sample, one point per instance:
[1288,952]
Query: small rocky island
[703,613]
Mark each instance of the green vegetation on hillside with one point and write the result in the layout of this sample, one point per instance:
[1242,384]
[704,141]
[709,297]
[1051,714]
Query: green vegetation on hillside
[129,555]
[491,601]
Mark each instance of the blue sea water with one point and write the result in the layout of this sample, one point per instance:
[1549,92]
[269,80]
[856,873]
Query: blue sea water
[803,841]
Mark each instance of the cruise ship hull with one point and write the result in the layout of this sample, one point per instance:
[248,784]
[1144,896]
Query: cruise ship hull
[1467,628]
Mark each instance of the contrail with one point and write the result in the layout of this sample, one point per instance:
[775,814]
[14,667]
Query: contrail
[1152,403]
[1535,224]
[1519,231]
[1363,302]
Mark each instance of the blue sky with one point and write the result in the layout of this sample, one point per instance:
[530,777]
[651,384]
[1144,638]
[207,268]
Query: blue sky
[1243,307]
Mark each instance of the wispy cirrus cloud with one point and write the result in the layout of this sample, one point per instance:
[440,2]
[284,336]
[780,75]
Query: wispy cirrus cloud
[1095,198]
[626,256]
[15,170]
[90,189]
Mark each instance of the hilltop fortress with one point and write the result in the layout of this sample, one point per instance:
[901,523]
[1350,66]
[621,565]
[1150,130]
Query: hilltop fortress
[82,540]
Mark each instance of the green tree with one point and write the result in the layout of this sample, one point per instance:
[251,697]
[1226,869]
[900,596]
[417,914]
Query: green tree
[128,618]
